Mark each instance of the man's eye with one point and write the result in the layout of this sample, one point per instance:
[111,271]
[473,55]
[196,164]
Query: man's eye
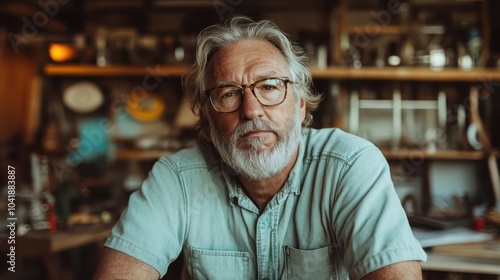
[228,94]
[267,87]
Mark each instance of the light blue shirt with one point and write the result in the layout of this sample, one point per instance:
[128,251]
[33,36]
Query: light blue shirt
[337,216]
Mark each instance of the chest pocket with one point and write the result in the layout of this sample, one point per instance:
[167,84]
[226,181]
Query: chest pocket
[210,264]
[317,264]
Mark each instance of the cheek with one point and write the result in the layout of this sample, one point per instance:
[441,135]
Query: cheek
[292,108]
[224,123]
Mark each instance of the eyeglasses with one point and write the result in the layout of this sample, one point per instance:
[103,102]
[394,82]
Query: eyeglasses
[268,91]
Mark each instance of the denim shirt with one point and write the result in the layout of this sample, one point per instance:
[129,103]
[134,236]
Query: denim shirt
[336,217]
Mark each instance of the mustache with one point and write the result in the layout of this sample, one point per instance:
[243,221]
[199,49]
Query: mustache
[254,125]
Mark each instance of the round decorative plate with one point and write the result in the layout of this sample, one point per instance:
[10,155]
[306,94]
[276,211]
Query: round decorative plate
[83,97]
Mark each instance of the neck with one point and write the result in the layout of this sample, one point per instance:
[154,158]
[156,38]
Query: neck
[262,191]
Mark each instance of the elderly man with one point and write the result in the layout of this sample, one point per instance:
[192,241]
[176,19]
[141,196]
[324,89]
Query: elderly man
[261,196]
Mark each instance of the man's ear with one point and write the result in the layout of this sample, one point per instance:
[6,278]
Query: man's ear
[302,109]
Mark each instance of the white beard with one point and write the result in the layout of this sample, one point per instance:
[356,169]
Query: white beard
[256,163]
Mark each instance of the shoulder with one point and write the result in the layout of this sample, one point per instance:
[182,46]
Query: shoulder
[334,143]
[198,156]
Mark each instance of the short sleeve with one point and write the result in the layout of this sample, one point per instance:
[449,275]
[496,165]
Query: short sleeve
[371,225]
[152,228]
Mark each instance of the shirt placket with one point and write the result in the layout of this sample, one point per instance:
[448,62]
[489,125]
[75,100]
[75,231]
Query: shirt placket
[267,249]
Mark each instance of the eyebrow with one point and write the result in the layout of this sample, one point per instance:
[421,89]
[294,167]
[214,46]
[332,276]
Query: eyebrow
[257,78]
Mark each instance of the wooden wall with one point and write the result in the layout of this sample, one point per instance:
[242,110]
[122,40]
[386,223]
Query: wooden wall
[20,93]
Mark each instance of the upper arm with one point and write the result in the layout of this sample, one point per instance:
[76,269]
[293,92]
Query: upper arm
[159,204]
[114,264]
[410,270]
[371,225]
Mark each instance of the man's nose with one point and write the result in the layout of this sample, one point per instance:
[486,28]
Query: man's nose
[250,107]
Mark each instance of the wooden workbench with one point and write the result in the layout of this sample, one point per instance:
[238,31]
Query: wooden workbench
[464,258]
[47,245]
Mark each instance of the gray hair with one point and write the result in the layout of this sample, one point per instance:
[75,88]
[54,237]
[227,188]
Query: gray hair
[216,37]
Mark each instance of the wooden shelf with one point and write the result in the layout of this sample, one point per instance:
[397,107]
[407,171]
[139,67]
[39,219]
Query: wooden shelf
[408,74]
[438,155]
[141,154]
[343,73]
[378,29]
[78,70]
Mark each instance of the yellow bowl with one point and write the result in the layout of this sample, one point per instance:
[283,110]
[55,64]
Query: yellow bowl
[147,106]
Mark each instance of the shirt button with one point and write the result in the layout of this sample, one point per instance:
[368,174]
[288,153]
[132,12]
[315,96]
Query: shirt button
[234,200]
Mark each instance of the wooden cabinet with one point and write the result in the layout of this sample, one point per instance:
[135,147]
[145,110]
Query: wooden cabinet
[432,102]
[360,53]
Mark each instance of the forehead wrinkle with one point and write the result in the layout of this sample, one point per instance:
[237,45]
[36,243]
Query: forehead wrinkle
[251,62]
